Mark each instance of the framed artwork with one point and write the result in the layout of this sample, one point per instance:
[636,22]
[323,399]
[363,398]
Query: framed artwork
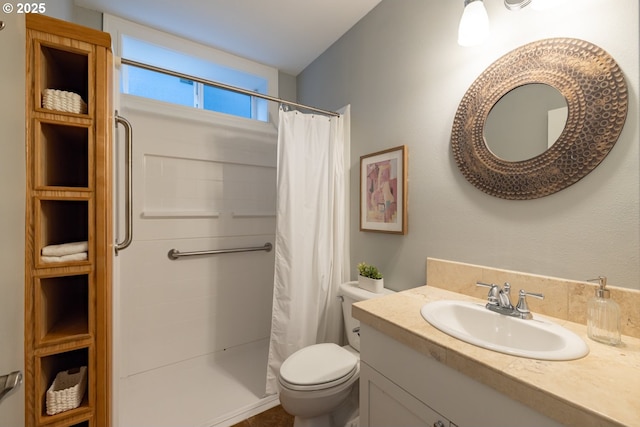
[383,191]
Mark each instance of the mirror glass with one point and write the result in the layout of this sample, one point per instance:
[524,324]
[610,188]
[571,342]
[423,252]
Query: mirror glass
[525,122]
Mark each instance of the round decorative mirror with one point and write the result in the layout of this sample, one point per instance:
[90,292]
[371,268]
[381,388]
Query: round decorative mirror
[587,97]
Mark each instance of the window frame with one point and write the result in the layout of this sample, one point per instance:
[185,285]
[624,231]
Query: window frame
[120,28]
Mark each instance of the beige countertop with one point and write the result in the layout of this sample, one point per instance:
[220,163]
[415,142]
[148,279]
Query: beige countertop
[600,389]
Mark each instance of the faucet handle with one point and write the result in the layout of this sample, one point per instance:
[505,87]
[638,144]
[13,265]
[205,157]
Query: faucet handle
[523,307]
[506,292]
[494,291]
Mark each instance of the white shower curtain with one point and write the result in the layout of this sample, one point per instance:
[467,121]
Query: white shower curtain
[312,234]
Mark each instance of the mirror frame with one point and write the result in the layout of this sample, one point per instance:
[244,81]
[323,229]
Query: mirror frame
[597,99]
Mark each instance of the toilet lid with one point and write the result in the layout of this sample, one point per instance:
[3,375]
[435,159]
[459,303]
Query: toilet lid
[318,364]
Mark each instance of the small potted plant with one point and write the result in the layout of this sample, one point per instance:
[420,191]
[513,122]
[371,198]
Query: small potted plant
[370,278]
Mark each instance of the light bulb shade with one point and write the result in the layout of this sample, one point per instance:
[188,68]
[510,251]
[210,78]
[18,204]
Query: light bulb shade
[474,24]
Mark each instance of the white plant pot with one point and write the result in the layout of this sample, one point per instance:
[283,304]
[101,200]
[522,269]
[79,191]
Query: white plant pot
[371,285]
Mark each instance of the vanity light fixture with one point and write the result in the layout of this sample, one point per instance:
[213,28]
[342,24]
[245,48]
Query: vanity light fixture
[516,4]
[474,24]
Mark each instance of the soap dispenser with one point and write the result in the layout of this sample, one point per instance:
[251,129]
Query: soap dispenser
[603,315]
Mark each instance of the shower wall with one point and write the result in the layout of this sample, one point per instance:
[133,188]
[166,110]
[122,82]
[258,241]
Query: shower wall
[185,325]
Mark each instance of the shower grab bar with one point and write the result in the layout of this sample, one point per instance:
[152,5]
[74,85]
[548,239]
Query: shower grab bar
[174,254]
[128,183]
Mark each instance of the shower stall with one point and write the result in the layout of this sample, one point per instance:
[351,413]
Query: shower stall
[191,332]
[193,290]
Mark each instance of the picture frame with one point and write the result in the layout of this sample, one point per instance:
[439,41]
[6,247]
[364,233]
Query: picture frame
[383,191]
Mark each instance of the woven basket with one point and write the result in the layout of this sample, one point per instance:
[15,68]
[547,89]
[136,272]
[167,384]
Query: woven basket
[67,390]
[60,100]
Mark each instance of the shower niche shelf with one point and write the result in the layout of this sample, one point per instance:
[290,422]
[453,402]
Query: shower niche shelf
[62,308]
[69,200]
[62,154]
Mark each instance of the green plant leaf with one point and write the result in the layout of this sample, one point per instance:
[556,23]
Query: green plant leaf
[370,271]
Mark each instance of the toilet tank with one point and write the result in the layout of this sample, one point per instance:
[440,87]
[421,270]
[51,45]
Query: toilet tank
[351,293]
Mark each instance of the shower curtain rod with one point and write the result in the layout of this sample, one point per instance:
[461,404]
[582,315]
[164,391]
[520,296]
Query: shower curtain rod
[225,86]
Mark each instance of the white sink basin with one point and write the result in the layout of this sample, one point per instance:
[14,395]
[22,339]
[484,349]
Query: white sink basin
[475,324]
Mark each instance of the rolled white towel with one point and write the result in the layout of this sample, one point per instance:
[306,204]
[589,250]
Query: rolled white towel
[65,249]
[65,258]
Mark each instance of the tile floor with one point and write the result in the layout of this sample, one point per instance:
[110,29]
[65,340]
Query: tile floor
[274,417]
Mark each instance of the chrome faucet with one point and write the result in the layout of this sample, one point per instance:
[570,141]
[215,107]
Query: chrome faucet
[499,300]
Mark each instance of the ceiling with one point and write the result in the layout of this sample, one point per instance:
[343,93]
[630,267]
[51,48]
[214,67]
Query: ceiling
[286,34]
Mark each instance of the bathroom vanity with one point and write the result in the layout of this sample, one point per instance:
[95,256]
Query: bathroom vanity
[413,374]
[401,386]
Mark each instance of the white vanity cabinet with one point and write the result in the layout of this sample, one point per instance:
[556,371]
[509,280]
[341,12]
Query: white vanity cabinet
[402,387]
[387,404]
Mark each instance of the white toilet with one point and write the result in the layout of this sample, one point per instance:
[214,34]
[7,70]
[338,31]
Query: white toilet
[319,383]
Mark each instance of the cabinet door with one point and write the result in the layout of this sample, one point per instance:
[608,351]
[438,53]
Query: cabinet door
[384,404]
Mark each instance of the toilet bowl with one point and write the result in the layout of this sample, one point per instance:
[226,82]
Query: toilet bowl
[318,384]
[315,381]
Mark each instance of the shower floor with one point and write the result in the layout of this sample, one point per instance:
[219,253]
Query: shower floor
[218,390]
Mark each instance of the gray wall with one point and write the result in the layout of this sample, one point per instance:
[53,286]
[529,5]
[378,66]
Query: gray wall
[12,218]
[286,86]
[68,11]
[403,73]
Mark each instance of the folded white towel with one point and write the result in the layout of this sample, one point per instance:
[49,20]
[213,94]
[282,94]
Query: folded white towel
[64,258]
[65,249]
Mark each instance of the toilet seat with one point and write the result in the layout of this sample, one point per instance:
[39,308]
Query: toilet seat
[318,367]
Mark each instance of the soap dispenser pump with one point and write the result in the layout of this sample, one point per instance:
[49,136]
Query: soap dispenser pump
[603,315]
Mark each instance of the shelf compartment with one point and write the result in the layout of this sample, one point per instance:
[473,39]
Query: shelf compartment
[58,222]
[47,367]
[83,421]
[62,308]
[66,69]
[62,155]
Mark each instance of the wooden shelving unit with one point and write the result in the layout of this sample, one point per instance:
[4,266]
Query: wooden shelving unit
[68,302]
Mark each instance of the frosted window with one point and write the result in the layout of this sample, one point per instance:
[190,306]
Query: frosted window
[225,101]
[158,86]
[164,87]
